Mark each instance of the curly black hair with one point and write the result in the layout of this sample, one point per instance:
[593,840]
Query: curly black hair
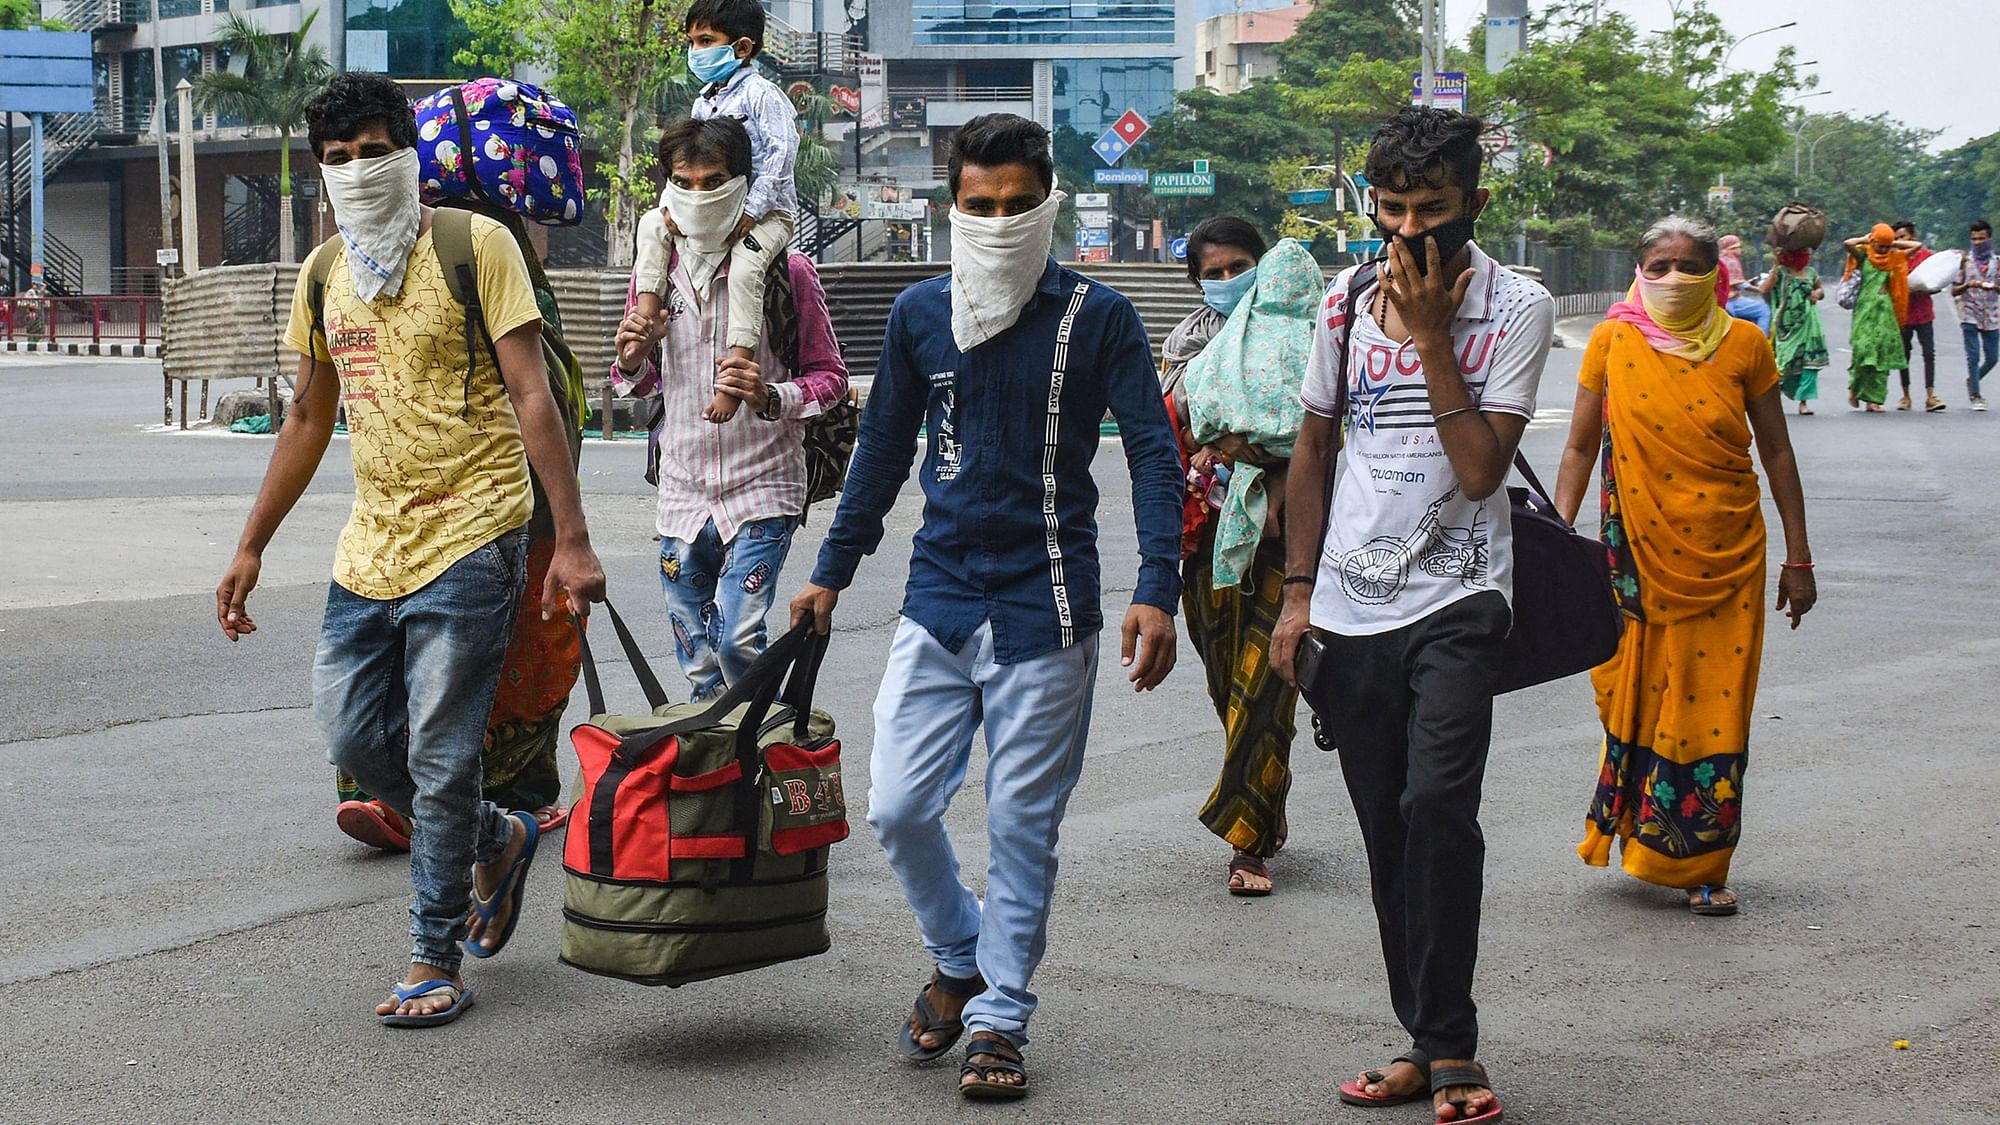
[738,19]
[1222,230]
[1426,148]
[350,102]
[993,139]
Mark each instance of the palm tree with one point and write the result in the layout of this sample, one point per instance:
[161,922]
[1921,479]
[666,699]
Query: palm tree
[281,73]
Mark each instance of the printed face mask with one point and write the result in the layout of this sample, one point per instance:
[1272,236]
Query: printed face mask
[1679,301]
[713,64]
[1223,296]
[1450,236]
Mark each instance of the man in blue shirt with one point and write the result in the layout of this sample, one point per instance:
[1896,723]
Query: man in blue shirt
[1009,363]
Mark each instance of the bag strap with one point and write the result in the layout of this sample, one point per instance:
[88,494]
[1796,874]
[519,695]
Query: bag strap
[1534,482]
[451,239]
[319,268]
[1365,277]
[656,696]
[468,145]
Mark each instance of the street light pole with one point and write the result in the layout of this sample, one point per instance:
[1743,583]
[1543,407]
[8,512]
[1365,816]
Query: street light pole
[1812,150]
[1752,35]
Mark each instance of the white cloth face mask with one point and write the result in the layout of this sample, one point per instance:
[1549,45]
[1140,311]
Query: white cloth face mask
[376,205]
[996,261]
[706,219]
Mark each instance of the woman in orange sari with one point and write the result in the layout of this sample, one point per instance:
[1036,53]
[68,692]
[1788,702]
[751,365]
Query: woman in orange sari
[1671,394]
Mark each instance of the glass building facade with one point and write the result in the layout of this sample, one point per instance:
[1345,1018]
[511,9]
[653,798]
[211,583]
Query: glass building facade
[972,23]
[405,38]
[1090,94]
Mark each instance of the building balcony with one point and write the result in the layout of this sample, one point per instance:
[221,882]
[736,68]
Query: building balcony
[948,107]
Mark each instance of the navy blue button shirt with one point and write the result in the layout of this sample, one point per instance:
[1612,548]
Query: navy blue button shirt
[1010,513]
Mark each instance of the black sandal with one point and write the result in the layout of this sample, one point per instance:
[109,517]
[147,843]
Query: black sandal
[1356,1093]
[1444,1078]
[1247,864]
[991,1045]
[929,1023]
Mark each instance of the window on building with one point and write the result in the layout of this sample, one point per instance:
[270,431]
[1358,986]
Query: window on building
[1090,94]
[135,114]
[405,38]
[174,9]
[956,23]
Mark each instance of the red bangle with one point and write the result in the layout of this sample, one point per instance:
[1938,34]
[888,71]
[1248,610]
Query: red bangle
[1797,566]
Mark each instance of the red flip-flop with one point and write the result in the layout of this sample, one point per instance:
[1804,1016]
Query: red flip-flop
[1356,1092]
[551,817]
[374,824]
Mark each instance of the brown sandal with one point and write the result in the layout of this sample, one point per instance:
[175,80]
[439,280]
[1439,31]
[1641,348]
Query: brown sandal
[1243,863]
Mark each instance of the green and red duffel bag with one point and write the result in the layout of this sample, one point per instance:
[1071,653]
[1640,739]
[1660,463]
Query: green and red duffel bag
[698,845]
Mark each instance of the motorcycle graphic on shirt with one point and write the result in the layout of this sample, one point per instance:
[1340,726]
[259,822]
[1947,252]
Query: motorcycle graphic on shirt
[1378,571]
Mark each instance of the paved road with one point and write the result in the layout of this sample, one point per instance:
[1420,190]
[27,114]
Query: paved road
[188,938]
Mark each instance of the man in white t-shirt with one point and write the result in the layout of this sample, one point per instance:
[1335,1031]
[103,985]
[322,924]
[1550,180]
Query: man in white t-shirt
[1407,603]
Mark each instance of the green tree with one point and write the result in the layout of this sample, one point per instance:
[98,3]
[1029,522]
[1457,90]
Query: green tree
[281,73]
[26,15]
[1338,29]
[611,60]
[1238,134]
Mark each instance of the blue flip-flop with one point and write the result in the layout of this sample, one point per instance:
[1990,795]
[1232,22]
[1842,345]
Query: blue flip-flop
[510,888]
[461,999]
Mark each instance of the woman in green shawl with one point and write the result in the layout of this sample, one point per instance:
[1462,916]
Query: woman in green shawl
[1231,371]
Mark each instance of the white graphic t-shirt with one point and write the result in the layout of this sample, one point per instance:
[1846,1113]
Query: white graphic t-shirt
[1403,540]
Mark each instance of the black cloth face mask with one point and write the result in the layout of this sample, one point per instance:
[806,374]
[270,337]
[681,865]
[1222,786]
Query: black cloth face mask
[1450,236]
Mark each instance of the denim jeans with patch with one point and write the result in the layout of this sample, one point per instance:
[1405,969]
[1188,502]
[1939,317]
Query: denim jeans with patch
[718,595]
[401,689]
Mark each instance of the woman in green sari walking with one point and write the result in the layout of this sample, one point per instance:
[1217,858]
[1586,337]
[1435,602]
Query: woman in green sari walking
[1796,331]
[1882,263]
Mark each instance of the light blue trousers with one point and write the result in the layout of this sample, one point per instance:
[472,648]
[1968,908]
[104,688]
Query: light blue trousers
[1037,716]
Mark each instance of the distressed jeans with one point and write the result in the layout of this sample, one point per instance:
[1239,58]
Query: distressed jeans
[401,689]
[718,595]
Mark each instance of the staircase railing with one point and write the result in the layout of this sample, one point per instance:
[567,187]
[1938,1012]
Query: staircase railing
[63,136]
[62,266]
[798,53]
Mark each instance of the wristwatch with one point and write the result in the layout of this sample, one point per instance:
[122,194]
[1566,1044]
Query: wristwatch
[774,404]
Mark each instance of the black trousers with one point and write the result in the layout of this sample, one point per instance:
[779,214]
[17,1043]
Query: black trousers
[1411,711]
[1927,336]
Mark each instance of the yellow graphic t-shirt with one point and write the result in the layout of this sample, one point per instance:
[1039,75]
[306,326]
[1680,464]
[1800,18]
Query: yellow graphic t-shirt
[439,466]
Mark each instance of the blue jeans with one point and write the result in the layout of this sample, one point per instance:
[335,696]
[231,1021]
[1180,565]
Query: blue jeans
[1975,367]
[402,689]
[718,595]
[1037,717]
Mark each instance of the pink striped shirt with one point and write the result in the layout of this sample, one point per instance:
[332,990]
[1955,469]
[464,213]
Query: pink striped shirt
[746,468]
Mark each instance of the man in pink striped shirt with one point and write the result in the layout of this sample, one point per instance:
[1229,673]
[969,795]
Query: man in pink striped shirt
[732,492]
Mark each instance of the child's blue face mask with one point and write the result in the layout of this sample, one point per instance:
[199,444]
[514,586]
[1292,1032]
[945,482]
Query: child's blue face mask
[1224,296]
[713,64]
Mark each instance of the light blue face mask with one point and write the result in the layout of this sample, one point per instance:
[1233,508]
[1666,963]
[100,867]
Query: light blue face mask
[1224,296]
[713,64]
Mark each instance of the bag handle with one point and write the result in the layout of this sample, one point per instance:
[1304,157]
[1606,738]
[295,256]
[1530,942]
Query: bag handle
[656,696]
[759,688]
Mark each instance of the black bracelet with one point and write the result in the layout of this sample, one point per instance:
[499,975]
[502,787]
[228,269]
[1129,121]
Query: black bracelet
[1308,579]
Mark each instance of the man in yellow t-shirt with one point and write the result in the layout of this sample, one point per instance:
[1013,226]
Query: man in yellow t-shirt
[428,573]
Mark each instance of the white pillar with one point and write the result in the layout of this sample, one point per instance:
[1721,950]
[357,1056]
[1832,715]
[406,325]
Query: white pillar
[190,199]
